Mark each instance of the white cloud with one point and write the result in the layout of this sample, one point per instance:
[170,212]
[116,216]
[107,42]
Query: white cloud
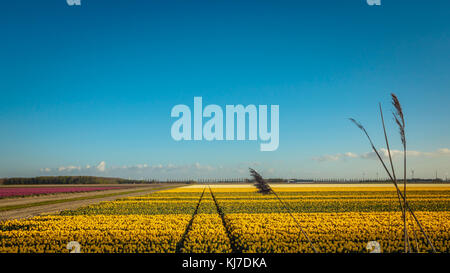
[335,157]
[101,166]
[383,153]
[444,151]
[198,166]
[352,155]
[69,168]
[164,171]
[160,169]
[395,153]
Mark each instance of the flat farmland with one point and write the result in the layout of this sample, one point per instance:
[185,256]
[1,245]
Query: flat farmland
[68,197]
[21,191]
[235,218]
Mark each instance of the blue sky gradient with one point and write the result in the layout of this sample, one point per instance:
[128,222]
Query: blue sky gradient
[82,85]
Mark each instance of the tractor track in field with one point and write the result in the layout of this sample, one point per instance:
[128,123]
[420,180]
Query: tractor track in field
[234,248]
[180,244]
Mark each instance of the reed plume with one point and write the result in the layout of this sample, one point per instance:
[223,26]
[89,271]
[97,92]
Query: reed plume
[261,184]
[264,188]
[399,119]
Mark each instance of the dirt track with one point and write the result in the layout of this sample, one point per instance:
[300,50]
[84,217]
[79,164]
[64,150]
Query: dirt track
[56,208]
[57,196]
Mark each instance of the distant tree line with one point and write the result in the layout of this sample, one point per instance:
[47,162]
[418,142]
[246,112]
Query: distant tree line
[67,180]
[71,180]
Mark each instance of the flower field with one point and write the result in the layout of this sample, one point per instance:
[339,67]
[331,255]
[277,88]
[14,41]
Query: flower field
[203,219]
[27,191]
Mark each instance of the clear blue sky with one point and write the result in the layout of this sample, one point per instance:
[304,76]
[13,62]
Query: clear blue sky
[89,89]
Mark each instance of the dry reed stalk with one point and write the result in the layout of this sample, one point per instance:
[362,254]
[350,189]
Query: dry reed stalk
[359,125]
[264,188]
[261,184]
[403,208]
[405,205]
[400,120]
[415,237]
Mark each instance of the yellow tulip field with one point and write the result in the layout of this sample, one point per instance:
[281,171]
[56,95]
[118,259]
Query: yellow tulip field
[225,219]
